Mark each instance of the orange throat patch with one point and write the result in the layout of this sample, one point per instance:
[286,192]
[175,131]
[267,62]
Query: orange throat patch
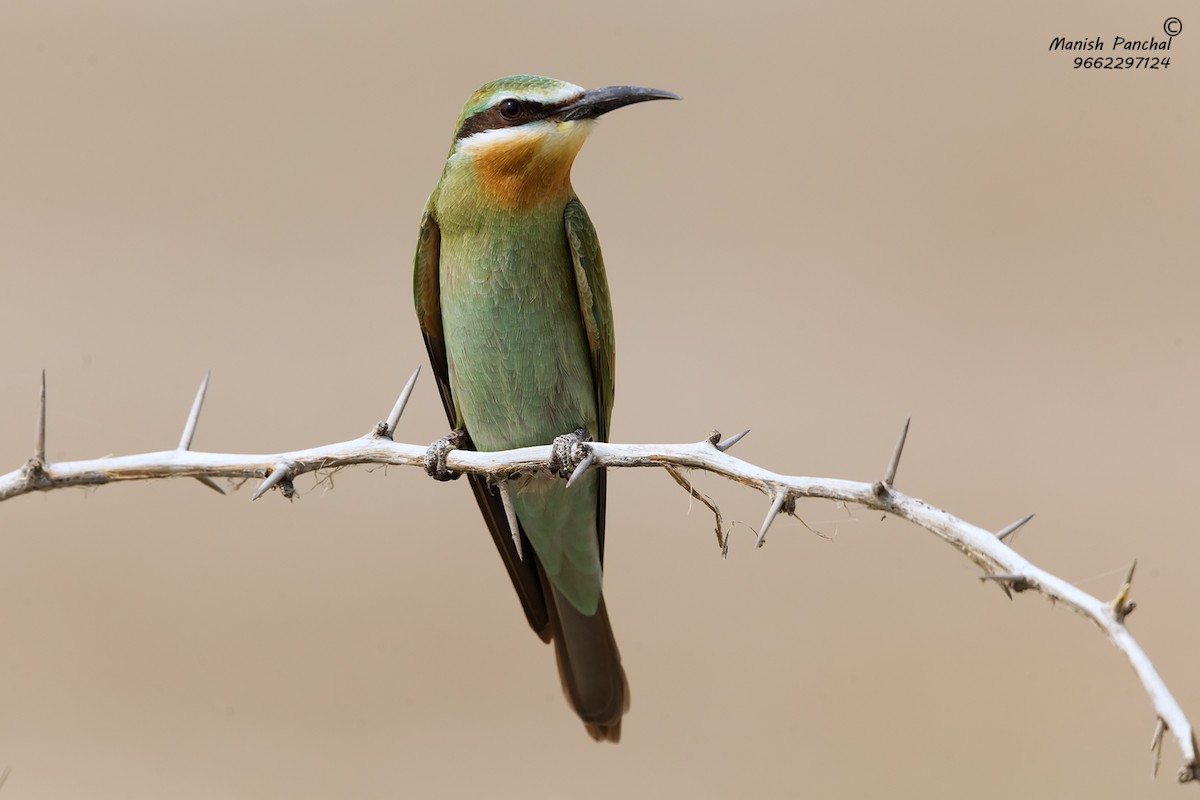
[523,167]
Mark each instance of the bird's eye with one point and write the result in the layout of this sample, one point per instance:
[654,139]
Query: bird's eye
[511,109]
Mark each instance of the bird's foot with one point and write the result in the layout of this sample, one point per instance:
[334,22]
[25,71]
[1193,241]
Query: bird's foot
[435,455]
[569,451]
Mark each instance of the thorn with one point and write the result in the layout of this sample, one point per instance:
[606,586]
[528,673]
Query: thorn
[1122,606]
[511,513]
[39,437]
[582,468]
[394,418]
[1009,581]
[1156,746]
[771,513]
[189,428]
[731,441]
[1013,528]
[280,472]
[210,483]
[889,477]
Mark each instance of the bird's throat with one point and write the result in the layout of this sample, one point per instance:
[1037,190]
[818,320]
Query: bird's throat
[519,168]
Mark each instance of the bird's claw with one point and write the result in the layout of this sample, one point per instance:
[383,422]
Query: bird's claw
[435,455]
[568,451]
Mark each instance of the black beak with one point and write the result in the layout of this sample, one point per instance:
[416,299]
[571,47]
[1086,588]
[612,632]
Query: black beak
[600,101]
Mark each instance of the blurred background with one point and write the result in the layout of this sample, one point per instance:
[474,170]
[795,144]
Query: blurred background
[860,212]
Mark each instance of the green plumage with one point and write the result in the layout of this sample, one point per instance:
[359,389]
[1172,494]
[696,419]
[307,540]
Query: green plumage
[521,370]
[514,306]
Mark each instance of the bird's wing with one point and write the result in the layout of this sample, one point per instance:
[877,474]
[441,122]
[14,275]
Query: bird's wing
[595,307]
[427,296]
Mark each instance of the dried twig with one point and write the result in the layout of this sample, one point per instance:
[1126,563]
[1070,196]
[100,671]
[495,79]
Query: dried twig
[999,562]
[681,479]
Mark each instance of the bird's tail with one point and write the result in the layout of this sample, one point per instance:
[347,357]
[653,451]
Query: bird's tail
[589,665]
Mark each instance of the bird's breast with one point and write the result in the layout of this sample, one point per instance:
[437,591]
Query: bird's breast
[520,369]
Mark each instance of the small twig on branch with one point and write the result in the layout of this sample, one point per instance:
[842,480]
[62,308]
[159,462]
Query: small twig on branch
[278,475]
[389,427]
[588,461]
[1009,530]
[189,427]
[728,443]
[39,436]
[189,430]
[998,561]
[722,536]
[779,496]
[889,476]
[510,513]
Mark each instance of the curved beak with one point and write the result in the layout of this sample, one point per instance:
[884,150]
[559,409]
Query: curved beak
[595,102]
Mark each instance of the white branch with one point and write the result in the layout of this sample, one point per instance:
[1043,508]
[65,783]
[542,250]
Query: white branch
[998,561]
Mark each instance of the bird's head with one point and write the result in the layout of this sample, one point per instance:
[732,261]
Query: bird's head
[518,136]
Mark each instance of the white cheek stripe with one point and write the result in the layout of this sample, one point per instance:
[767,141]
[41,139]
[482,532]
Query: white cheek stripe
[553,134]
[484,139]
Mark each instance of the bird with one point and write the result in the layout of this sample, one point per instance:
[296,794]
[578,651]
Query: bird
[513,303]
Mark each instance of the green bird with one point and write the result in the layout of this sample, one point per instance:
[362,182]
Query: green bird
[513,303]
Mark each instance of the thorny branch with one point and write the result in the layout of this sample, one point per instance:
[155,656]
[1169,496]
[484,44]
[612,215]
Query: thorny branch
[988,550]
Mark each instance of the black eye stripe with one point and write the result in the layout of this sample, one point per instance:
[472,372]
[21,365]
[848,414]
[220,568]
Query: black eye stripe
[490,118]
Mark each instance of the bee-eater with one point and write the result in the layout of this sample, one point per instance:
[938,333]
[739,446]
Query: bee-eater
[513,302]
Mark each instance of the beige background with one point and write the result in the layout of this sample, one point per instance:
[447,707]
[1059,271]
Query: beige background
[857,214]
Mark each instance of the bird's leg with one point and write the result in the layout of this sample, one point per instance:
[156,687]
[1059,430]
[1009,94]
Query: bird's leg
[435,455]
[568,451]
